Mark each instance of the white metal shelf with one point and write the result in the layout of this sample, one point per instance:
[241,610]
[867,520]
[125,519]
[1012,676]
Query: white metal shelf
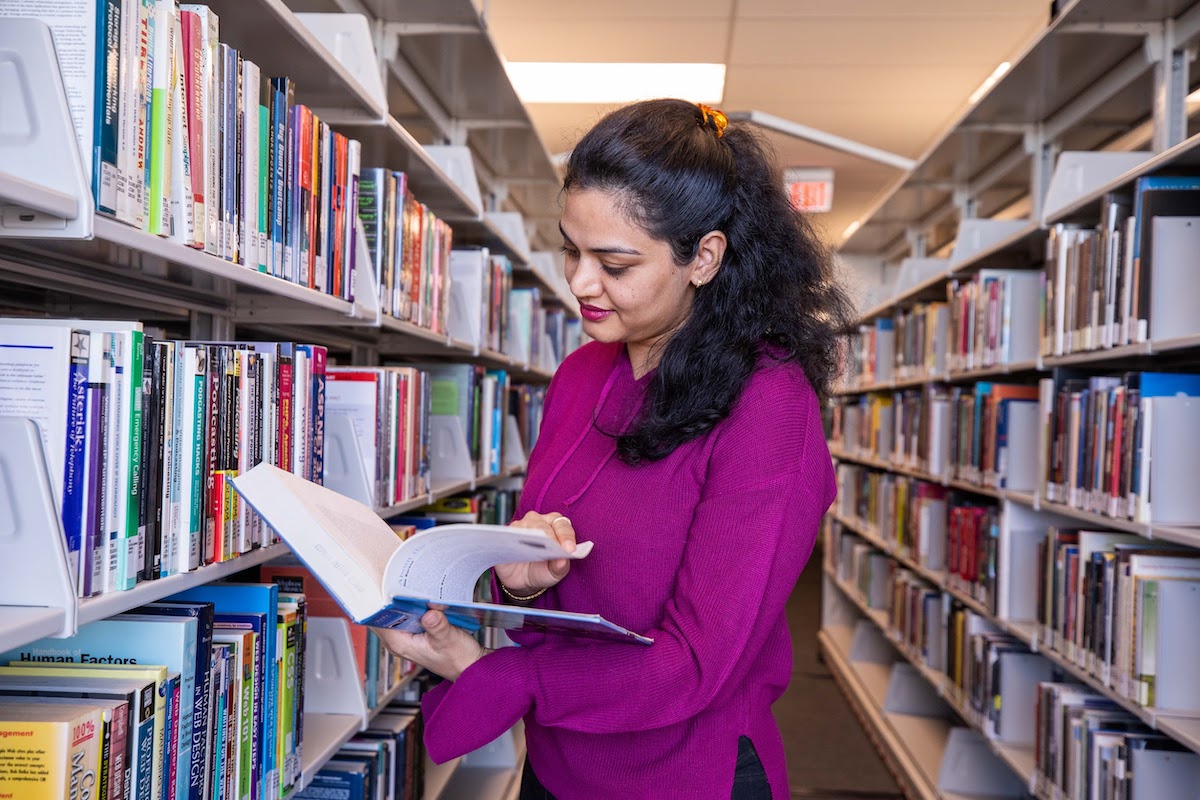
[446,490]
[866,686]
[292,50]
[1021,760]
[105,605]
[20,625]
[1048,83]
[324,734]
[1026,632]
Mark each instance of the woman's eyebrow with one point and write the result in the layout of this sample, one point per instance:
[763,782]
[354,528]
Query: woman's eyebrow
[628,251]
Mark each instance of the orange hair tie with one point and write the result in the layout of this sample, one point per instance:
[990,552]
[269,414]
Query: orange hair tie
[714,117]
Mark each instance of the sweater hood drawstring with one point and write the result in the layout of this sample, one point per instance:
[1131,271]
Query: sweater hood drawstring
[562,462]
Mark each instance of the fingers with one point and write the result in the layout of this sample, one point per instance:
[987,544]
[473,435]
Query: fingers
[557,526]
[564,532]
[437,627]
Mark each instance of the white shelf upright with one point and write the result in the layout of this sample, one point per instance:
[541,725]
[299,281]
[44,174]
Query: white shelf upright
[37,597]
[44,190]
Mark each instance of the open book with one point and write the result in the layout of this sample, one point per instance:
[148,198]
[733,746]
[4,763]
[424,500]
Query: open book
[386,582]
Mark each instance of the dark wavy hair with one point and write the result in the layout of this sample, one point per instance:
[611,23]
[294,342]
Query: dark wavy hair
[673,176]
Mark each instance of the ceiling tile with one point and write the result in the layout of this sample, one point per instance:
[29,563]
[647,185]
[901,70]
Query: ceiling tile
[659,40]
[581,10]
[1030,9]
[877,41]
[795,88]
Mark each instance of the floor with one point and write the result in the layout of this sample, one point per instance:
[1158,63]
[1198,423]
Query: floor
[829,755]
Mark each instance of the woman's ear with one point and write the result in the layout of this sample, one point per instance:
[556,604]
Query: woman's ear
[709,254]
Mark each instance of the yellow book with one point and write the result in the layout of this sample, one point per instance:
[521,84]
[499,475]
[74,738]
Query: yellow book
[49,752]
[155,673]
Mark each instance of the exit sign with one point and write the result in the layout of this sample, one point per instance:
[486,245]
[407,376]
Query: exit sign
[810,190]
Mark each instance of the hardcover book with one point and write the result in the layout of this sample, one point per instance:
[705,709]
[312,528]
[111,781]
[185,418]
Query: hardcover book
[385,582]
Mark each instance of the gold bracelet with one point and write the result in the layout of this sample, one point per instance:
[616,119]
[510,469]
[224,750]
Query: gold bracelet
[521,598]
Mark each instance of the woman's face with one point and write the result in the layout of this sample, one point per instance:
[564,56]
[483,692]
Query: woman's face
[628,285]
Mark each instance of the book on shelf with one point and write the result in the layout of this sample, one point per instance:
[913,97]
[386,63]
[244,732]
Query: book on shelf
[184,137]
[143,434]
[385,582]
[50,750]
[1102,451]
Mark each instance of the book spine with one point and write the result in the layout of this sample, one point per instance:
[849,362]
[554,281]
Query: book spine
[353,167]
[280,155]
[184,220]
[319,356]
[145,83]
[264,177]
[93,546]
[194,88]
[105,174]
[319,224]
[249,163]
[127,110]
[134,534]
[151,452]
[286,396]
[74,486]
[119,741]
[161,69]
[171,747]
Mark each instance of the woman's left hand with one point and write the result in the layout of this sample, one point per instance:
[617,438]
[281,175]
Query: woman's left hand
[442,649]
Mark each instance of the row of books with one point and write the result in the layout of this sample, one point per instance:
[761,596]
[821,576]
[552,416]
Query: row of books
[944,531]
[385,761]
[1088,747]
[389,408]
[409,247]
[983,434]
[196,697]
[1119,282]
[993,319]
[1100,437]
[1122,608]
[142,436]
[989,674]
[378,669]
[1085,746]
[920,336]
[988,320]
[871,353]
[489,313]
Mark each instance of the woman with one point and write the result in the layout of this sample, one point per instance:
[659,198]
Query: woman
[686,443]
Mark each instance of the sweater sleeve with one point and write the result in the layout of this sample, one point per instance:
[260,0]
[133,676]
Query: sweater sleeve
[746,547]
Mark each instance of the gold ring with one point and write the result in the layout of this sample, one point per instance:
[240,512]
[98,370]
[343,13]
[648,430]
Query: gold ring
[556,519]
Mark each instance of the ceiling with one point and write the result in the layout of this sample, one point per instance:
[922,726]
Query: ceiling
[889,73]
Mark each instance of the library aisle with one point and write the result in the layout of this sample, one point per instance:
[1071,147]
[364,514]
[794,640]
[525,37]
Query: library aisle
[828,752]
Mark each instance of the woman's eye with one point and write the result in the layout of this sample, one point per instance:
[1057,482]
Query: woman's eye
[613,271]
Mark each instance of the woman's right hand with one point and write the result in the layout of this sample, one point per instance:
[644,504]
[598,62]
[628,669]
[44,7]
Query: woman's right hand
[533,576]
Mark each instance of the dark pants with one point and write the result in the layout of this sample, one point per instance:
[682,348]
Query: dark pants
[749,778]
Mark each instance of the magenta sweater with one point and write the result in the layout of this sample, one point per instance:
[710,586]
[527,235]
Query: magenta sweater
[699,551]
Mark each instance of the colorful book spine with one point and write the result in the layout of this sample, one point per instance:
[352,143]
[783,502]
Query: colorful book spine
[106,138]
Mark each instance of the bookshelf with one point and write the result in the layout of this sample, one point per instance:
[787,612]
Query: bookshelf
[63,258]
[988,198]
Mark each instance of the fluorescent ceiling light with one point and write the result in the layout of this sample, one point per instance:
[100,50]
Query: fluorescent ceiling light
[579,82]
[991,81]
[851,228]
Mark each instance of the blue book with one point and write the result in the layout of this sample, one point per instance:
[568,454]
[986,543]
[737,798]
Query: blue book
[219,765]
[1163,384]
[196,778]
[171,741]
[258,624]
[132,639]
[108,96]
[337,782]
[253,598]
